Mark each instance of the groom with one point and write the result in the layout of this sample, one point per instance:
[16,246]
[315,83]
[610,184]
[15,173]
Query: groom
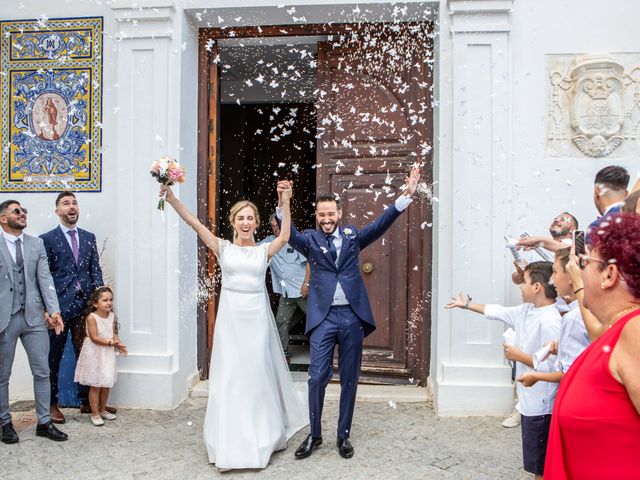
[338,306]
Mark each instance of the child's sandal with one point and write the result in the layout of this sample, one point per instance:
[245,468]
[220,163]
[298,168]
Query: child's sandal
[108,416]
[97,421]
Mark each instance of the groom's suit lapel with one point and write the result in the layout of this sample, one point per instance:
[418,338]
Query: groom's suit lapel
[64,245]
[322,242]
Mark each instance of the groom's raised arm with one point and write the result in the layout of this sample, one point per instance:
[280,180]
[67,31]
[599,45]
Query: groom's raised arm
[375,230]
[372,232]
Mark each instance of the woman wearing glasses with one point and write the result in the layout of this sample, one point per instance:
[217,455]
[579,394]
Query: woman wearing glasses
[595,429]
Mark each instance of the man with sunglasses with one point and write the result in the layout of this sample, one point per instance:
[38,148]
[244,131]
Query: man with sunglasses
[26,289]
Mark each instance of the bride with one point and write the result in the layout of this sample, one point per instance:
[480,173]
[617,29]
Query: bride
[253,407]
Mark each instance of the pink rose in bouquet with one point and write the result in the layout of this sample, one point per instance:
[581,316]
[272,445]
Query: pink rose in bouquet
[167,172]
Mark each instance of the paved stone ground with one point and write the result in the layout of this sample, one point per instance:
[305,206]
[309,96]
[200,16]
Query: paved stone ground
[406,442]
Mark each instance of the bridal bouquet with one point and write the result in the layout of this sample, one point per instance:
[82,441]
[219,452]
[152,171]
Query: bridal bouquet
[168,172]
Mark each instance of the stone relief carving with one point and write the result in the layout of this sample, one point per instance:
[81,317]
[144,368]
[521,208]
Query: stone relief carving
[594,105]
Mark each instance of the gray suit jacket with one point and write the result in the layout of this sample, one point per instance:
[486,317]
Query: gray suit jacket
[40,291]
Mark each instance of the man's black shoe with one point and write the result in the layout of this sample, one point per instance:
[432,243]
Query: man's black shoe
[9,434]
[345,448]
[50,431]
[306,448]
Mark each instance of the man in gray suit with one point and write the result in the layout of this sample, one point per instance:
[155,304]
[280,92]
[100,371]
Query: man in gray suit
[26,288]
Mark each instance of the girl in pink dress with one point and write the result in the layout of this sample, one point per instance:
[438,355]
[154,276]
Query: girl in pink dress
[96,365]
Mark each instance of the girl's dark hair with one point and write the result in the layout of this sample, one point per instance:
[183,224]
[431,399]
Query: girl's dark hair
[81,330]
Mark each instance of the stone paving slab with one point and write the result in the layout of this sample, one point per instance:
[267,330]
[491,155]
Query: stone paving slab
[406,442]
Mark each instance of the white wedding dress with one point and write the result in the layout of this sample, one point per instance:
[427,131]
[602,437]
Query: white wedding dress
[254,407]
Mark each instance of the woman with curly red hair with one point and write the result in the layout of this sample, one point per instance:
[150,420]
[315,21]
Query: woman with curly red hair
[595,429]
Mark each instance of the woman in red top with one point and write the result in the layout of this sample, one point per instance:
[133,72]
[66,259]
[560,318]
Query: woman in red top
[595,429]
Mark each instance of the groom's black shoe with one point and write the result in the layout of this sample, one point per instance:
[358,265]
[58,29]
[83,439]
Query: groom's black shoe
[51,432]
[345,448]
[306,448]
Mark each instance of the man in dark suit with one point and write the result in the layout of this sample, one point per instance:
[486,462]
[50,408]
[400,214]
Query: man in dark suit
[26,289]
[75,268]
[338,310]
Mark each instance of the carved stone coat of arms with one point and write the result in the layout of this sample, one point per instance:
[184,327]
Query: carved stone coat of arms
[594,106]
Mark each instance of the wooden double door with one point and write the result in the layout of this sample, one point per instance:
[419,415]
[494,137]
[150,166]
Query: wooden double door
[374,122]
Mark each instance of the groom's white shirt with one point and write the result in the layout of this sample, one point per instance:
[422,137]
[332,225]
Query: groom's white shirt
[339,298]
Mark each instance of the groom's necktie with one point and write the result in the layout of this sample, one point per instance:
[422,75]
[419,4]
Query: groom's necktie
[332,247]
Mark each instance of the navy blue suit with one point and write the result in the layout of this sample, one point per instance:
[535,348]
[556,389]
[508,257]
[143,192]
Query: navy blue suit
[343,325]
[67,276]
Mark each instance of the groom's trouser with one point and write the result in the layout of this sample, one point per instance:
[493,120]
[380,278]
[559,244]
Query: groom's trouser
[36,343]
[341,326]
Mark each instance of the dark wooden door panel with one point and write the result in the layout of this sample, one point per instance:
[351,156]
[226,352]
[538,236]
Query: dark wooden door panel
[374,120]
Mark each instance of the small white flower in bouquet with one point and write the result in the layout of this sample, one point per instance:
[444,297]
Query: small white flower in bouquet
[167,172]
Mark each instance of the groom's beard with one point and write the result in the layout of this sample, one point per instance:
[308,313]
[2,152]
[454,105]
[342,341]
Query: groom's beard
[328,228]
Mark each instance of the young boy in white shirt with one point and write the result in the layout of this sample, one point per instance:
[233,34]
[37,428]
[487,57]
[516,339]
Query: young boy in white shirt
[536,323]
[574,338]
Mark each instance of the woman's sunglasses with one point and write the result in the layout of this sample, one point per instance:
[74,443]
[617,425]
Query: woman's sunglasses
[583,261]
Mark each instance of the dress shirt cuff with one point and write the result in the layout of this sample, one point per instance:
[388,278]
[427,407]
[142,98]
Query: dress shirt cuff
[279,213]
[402,202]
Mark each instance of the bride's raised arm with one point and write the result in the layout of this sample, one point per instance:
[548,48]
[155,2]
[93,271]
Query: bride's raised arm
[209,239]
[285,189]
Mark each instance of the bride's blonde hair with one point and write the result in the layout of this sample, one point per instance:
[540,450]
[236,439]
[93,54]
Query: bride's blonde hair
[233,213]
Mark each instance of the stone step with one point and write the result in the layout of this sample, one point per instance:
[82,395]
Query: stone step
[366,392]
